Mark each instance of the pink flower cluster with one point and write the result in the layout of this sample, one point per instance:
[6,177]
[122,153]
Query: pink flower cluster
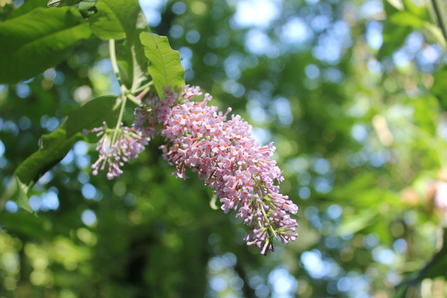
[116,147]
[227,157]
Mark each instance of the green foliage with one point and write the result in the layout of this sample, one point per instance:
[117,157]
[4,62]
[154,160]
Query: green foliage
[60,3]
[105,24]
[130,55]
[164,63]
[439,88]
[54,146]
[27,7]
[38,40]
[401,22]
[353,134]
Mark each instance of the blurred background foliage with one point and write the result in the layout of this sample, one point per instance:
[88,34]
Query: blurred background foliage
[352,94]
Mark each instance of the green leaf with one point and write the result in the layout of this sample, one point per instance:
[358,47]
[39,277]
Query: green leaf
[36,41]
[130,53]
[405,18]
[16,190]
[86,5]
[358,222]
[164,63]
[27,7]
[23,224]
[54,146]
[87,8]
[439,88]
[420,11]
[391,7]
[393,38]
[105,24]
[22,199]
[425,111]
[60,3]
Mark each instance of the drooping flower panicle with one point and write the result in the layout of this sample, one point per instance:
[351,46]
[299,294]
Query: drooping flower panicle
[221,151]
[227,157]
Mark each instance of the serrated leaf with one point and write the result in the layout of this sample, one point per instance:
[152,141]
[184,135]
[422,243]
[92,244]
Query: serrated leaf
[56,145]
[38,40]
[164,63]
[105,24]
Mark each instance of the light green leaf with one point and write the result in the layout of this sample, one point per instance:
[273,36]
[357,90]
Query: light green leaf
[405,18]
[164,63]
[54,146]
[36,41]
[437,33]
[416,10]
[22,198]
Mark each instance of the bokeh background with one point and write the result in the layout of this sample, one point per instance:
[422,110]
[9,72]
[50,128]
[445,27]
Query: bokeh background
[345,92]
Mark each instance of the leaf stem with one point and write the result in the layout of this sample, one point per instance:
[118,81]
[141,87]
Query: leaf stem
[115,67]
[439,11]
[133,98]
[145,86]
[120,117]
[123,88]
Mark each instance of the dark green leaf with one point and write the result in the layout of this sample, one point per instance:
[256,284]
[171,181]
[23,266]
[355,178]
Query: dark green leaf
[389,8]
[27,7]
[433,269]
[38,40]
[26,225]
[164,63]
[393,38]
[55,146]
[439,88]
